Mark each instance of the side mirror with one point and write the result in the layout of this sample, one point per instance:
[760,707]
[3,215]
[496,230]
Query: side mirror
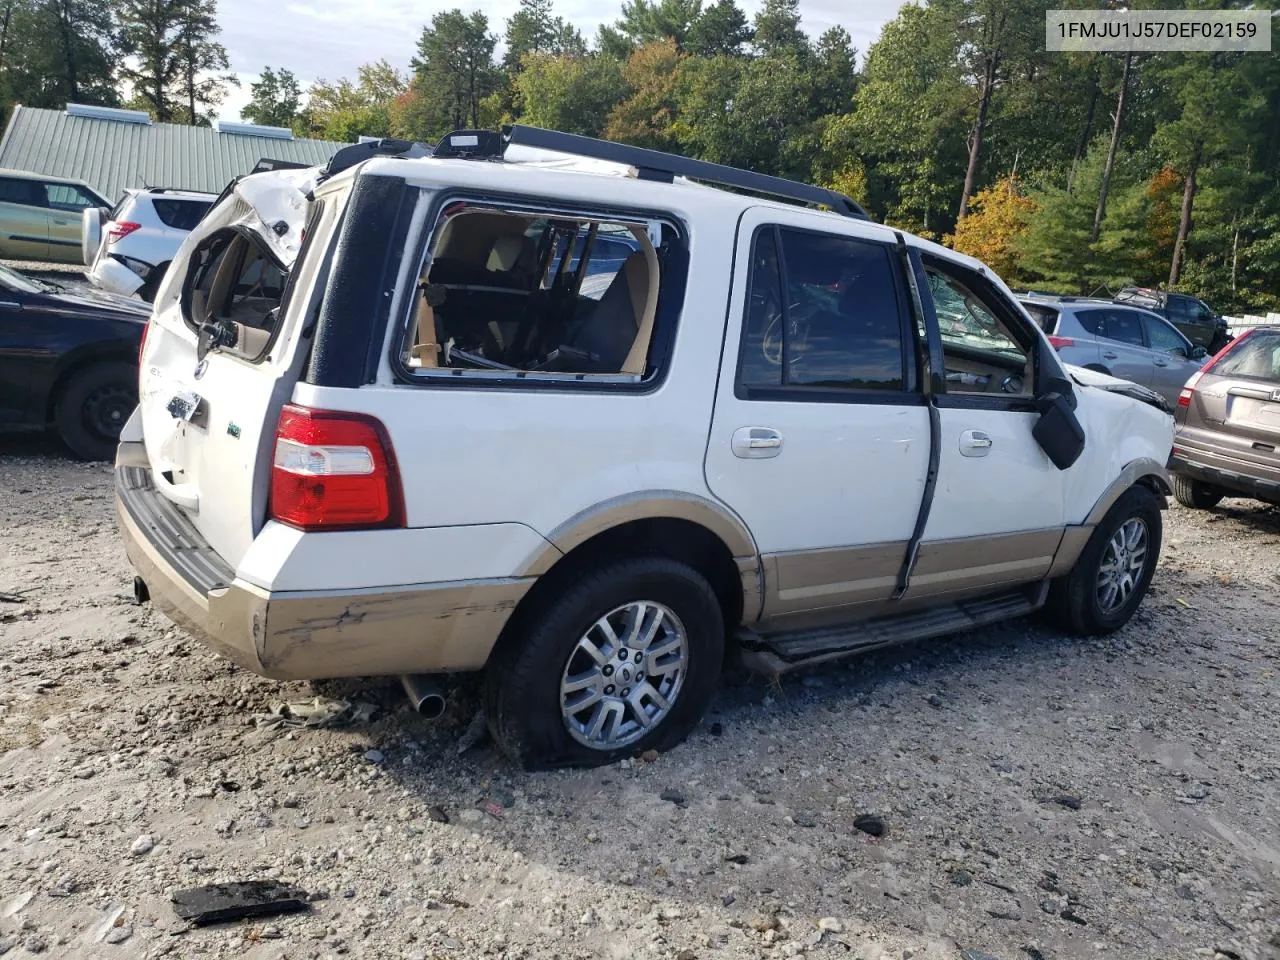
[1058,431]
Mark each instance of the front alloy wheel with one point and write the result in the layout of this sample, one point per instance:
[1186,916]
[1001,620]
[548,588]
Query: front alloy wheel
[1123,563]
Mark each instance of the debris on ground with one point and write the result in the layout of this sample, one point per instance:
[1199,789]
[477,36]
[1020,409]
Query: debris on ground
[221,902]
[869,824]
[476,733]
[317,713]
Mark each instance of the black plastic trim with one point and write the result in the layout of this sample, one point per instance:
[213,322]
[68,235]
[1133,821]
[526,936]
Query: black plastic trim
[362,283]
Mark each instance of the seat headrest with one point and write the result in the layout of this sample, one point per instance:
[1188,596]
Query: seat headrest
[505,253]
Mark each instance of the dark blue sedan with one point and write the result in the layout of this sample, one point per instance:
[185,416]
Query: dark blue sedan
[68,361]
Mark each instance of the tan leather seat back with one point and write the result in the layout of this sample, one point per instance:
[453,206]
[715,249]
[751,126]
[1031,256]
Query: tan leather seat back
[642,279]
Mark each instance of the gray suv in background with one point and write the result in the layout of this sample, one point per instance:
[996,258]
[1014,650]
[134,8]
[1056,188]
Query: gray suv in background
[1124,342]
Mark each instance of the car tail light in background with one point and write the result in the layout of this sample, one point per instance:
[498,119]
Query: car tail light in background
[119,229]
[1059,342]
[334,471]
[1189,390]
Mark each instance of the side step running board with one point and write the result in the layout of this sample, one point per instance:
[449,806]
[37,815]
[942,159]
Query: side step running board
[774,654]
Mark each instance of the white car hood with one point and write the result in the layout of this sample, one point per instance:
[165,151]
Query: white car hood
[1103,381]
[279,202]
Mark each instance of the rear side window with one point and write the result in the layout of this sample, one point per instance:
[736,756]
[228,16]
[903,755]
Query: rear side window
[1122,326]
[823,311]
[26,192]
[1046,318]
[532,296]
[180,214]
[1256,357]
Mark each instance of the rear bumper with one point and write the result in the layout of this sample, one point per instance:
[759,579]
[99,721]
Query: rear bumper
[302,635]
[1233,475]
[109,273]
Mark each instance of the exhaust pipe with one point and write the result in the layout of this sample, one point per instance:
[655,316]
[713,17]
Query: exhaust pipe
[140,592]
[425,694]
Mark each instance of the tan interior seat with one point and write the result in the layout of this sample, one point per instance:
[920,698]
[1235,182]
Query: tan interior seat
[644,299]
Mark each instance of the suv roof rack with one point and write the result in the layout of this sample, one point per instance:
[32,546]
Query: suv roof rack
[650,164]
[348,157]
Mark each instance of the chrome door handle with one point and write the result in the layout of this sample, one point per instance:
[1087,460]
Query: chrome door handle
[1161,363]
[1109,355]
[756,443]
[974,443]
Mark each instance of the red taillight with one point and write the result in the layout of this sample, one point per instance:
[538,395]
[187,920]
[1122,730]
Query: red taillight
[119,229]
[1059,342]
[1188,391]
[1184,398]
[334,471]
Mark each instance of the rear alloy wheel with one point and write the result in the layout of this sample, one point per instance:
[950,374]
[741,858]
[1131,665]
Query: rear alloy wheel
[94,406]
[1114,570]
[1195,494]
[622,661]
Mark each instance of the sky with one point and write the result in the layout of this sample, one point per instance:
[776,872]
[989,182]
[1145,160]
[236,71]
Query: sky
[329,39]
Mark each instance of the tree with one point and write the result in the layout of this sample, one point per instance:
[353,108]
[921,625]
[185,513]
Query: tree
[150,34]
[909,122]
[777,28]
[346,111]
[275,99]
[199,57]
[994,35]
[722,28]
[533,29]
[570,93]
[650,21]
[1101,210]
[647,116]
[996,226]
[835,72]
[54,52]
[454,70]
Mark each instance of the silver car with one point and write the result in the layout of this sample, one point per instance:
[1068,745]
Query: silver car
[1125,342]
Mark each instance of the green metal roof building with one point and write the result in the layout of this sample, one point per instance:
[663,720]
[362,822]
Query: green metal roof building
[112,149]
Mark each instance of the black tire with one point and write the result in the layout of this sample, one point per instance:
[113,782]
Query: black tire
[522,682]
[1074,603]
[151,286]
[93,407]
[1196,494]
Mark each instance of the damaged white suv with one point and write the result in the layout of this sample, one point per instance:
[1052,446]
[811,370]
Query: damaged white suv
[559,410]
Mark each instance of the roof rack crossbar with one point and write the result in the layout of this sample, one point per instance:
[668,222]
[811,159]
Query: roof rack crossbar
[656,165]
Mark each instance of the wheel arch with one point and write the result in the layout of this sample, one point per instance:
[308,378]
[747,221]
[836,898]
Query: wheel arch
[683,527]
[1143,471]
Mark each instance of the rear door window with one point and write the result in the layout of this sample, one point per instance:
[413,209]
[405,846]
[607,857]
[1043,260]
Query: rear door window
[180,214]
[1122,326]
[1046,318]
[823,311]
[28,193]
[233,289]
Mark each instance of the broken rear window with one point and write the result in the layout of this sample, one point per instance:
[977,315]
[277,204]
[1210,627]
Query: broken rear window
[509,292]
[232,292]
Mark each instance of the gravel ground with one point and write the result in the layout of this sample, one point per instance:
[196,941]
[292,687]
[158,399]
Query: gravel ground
[1042,797]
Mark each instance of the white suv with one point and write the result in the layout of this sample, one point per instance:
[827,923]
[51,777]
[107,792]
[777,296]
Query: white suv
[128,249]
[384,430]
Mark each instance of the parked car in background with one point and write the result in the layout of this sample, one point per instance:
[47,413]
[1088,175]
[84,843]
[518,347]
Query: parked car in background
[1228,425]
[1121,341]
[128,249]
[68,361]
[734,443]
[1197,321]
[40,216]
